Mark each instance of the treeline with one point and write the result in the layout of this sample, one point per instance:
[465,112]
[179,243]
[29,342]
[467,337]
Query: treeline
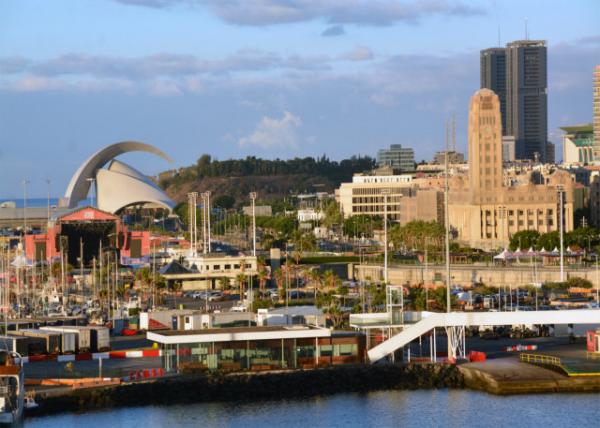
[252,166]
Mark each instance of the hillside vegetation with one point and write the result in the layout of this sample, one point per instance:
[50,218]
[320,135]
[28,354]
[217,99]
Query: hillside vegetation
[272,179]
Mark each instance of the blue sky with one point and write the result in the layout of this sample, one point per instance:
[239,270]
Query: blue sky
[262,77]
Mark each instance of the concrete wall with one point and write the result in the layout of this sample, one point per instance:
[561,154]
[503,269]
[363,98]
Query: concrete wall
[466,275]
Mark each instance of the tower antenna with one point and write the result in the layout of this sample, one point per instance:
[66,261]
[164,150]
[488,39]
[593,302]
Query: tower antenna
[453,133]
[499,44]
[526,30]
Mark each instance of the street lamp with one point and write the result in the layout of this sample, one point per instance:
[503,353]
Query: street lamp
[25,183]
[597,283]
[253,199]
[561,231]
[385,193]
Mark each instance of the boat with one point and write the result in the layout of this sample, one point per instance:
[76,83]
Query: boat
[12,385]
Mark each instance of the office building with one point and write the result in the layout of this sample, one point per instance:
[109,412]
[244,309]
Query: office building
[493,76]
[397,157]
[578,144]
[405,200]
[508,148]
[453,157]
[518,76]
[527,97]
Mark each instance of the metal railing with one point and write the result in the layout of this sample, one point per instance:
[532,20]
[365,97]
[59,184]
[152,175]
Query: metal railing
[541,359]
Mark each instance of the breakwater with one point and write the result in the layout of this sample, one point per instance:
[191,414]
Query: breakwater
[208,387]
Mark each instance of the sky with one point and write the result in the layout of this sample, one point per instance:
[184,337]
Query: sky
[267,78]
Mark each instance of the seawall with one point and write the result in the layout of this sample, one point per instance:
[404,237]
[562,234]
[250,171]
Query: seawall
[206,387]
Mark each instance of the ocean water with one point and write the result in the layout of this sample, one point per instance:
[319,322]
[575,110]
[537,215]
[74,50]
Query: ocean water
[39,202]
[422,408]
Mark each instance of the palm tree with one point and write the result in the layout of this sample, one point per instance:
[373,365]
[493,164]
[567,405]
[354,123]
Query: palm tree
[330,279]
[315,278]
[279,281]
[224,283]
[263,275]
[240,278]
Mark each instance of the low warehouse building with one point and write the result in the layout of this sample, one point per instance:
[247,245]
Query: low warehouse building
[258,348]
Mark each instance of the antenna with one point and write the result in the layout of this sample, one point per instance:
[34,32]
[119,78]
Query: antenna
[499,44]
[526,30]
[453,147]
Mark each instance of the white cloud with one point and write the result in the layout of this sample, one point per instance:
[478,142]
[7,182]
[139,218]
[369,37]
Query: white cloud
[273,133]
[360,12]
[359,53]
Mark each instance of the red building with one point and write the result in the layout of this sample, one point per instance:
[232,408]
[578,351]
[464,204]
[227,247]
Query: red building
[87,232]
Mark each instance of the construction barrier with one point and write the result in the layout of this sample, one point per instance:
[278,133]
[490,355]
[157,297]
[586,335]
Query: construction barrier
[144,374]
[477,357]
[520,348]
[145,353]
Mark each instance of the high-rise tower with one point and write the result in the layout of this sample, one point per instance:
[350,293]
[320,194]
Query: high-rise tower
[527,97]
[518,75]
[493,76]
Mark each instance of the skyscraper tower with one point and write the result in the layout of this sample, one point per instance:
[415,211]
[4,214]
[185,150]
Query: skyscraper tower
[493,76]
[518,75]
[527,97]
[596,147]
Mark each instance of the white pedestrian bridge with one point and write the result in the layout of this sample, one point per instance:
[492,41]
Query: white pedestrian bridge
[455,322]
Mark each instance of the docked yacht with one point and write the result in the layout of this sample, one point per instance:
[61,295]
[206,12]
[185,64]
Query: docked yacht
[12,385]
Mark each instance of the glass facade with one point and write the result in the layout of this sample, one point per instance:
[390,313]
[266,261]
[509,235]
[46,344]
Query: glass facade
[258,355]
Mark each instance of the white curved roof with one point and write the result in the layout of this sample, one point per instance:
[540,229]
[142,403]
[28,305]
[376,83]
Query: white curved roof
[119,185]
[79,186]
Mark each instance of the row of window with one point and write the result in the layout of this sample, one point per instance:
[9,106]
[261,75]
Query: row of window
[225,267]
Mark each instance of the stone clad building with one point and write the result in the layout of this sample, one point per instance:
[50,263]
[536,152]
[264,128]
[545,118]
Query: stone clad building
[485,210]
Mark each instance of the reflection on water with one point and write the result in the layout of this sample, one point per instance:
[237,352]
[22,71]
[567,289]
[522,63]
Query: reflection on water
[441,408]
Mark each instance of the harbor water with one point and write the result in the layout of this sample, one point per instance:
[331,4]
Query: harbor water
[421,408]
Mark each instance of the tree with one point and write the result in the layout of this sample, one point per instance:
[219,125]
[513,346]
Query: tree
[316,279]
[576,282]
[240,278]
[224,283]
[417,234]
[417,297]
[263,275]
[330,279]
[549,240]
[362,225]
[525,239]
[332,214]
[224,201]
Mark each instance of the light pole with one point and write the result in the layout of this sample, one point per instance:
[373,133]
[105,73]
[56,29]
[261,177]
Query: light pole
[253,199]
[561,231]
[48,183]
[207,203]
[385,193]
[25,183]
[597,283]
[447,227]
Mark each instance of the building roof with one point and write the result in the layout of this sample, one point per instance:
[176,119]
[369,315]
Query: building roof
[581,128]
[234,334]
[119,185]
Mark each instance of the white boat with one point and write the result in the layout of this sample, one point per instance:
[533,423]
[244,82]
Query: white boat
[12,388]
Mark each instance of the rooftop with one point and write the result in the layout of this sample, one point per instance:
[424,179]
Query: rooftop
[236,334]
[581,128]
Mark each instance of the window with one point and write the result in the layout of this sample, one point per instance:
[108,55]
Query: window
[227,267]
[326,350]
[216,267]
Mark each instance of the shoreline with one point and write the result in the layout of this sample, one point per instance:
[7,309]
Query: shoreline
[218,387]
